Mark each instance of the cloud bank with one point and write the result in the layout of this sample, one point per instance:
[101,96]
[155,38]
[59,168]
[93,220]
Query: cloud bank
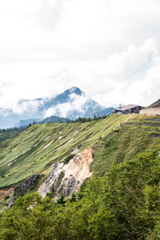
[108,48]
[128,77]
[51,30]
[76,103]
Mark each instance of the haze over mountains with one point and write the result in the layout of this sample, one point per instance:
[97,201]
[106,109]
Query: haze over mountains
[70,104]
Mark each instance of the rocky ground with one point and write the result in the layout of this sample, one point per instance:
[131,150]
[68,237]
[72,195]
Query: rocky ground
[67,178]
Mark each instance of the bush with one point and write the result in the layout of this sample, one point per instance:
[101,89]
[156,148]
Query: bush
[59,179]
[68,158]
[6,197]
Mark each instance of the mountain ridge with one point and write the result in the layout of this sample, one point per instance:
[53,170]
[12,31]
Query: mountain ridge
[155,104]
[71,104]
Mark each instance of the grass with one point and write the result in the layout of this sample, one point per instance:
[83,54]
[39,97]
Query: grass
[113,141]
[122,144]
[21,152]
[4,203]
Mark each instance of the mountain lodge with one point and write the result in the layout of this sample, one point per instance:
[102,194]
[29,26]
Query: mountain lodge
[131,108]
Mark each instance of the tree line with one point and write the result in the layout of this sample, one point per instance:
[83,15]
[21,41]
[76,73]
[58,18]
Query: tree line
[9,133]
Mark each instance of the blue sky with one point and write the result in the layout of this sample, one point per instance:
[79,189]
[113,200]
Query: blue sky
[108,48]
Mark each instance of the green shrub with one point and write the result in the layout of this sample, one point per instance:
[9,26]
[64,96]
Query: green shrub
[6,197]
[59,179]
[68,158]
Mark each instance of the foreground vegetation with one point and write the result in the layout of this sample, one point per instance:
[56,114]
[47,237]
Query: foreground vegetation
[124,204]
[120,201]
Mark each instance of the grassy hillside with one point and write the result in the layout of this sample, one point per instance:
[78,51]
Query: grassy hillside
[121,201]
[135,135]
[38,147]
[114,139]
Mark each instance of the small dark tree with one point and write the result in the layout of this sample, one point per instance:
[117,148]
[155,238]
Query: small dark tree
[73,198]
[95,117]
[61,199]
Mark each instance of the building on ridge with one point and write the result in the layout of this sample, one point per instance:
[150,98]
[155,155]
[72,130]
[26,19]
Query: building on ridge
[128,109]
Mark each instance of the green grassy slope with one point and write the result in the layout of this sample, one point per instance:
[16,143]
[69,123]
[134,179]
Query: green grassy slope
[36,149]
[28,153]
[139,134]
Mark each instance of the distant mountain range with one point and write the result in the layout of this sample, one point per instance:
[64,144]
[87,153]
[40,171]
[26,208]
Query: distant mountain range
[70,104]
[53,119]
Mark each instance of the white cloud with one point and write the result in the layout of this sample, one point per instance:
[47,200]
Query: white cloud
[74,29]
[129,77]
[76,103]
[50,112]
[30,106]
[108,48]
[50,14]
[134,61]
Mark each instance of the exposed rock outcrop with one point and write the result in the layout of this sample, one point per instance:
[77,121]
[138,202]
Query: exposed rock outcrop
[27,183]
[67,178]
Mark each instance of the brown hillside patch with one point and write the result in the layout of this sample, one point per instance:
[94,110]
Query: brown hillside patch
[4,193]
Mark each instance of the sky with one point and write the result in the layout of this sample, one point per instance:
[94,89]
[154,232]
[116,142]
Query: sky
[110,49]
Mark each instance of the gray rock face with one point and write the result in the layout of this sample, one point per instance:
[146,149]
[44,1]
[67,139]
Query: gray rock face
[27,183]
[52,180]
[70,186]
[67,178]
[56,180]
[11,202]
